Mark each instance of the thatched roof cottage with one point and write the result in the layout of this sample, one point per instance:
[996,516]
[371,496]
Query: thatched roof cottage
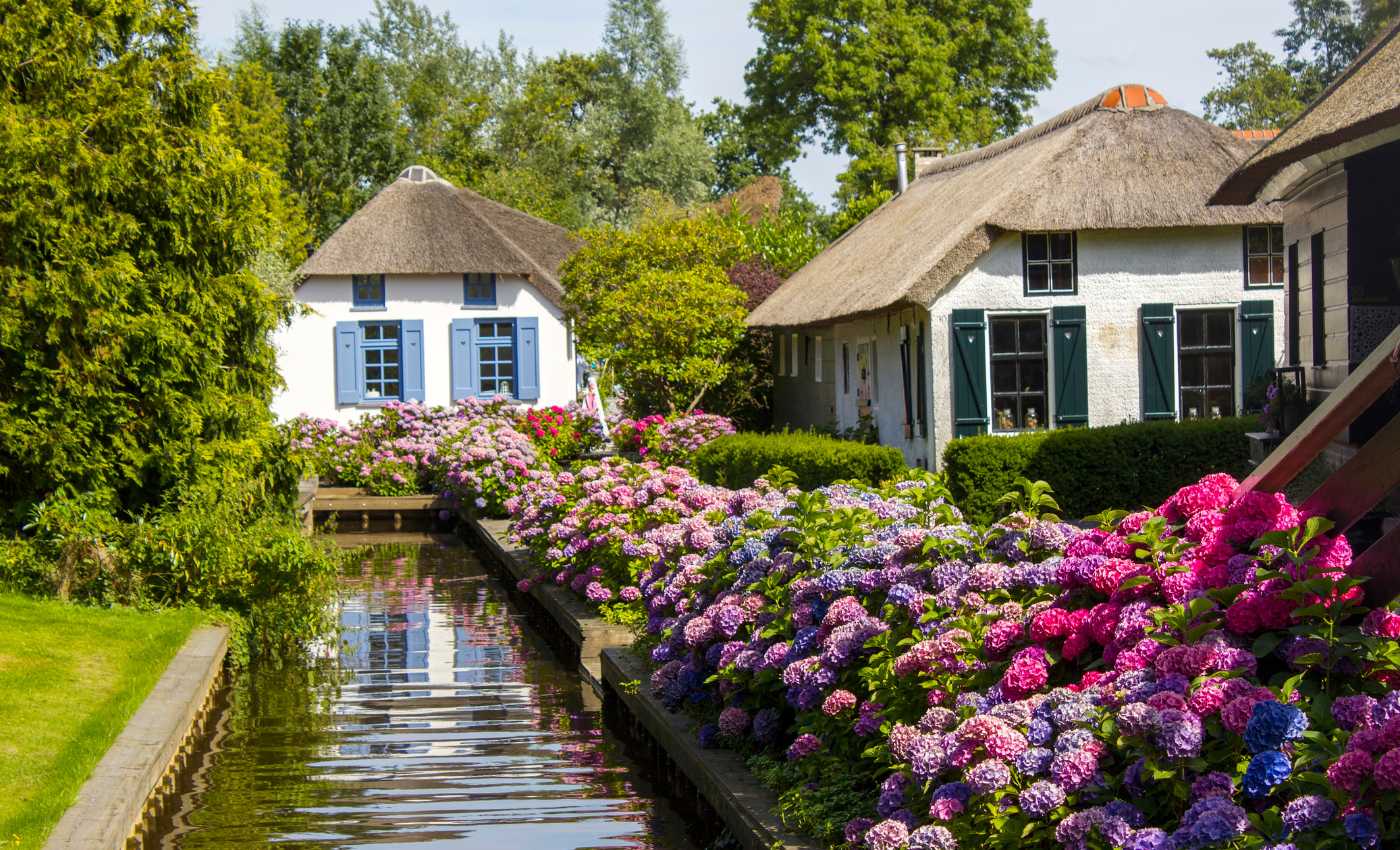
[432,293]
[1071,274]
[1336,173]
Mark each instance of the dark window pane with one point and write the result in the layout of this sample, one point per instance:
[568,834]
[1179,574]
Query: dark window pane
[1032,411]
[1259,271]
[374,373]
[372,332]
[391,372]
[1192,404]
[1004,337]
[1220,370]
[1064,277]
[1220,402]
[1033,376]
[1276,269]
[1061,246]
[1192,329]
[505,370]
[1038,277]
[1032,336]
[1036,247]
[1004,378]
[1006,417]
[1193,372]
[391,389]
[488,370]
[1276,239]
[1258,240]
[1218,327]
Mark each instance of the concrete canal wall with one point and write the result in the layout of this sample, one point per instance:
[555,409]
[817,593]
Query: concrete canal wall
[716,782]
[129,786]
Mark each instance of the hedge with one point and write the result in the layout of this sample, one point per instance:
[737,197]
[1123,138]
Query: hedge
[1093,469]
[734,461]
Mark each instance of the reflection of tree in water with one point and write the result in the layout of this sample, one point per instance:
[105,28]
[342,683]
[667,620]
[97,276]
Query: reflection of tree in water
[439,717]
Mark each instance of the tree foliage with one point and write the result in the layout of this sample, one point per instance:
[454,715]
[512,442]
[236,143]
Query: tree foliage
[656,305]
[1260,90]
[859,75]
[132,331]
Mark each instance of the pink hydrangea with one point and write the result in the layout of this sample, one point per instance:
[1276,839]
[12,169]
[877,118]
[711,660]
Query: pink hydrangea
[1027,673]
[1050,624]
[1387,771]
[1001,636]
[803,746]
[734,721]
[837,702]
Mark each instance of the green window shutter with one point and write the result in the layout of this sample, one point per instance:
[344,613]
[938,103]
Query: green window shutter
[1071,366]
[969,372]
[1158,371]
[1256,341]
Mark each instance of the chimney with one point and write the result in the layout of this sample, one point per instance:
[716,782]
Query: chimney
[901,180]
[925,154]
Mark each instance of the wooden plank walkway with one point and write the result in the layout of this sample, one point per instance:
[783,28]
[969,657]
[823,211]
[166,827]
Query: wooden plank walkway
[353,503]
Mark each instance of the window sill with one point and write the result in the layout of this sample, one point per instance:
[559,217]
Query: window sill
[1030,294]
[481,306]
[1250,287]
[362,309]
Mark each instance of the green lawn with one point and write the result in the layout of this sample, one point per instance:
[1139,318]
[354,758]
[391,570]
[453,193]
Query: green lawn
[70,677]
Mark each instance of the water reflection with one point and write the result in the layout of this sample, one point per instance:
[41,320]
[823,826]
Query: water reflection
[440,719]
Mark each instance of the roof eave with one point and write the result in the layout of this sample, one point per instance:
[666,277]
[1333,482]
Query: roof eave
[1269,178]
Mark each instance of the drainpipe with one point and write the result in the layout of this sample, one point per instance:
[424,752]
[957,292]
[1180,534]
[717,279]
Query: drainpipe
[901,180]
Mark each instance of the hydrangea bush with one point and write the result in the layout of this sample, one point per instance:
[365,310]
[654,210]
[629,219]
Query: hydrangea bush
[1205,674]
[669,441]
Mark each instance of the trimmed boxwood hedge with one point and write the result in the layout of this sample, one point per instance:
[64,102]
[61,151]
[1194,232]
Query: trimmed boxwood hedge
[816,460]
[1093,469]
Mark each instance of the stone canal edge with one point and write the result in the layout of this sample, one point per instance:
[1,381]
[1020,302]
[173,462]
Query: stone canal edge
[130,781]
[615,672]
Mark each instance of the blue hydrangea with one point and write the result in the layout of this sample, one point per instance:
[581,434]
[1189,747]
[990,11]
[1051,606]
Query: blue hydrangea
[1265,770]
[1040,731]
[1361,829]
[804,642]
[1272,725]
[1034,761]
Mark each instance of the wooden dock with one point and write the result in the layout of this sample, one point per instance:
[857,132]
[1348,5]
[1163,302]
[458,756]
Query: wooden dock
[355,510]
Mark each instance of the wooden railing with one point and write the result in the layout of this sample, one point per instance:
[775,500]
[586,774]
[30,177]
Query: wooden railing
[1364,480]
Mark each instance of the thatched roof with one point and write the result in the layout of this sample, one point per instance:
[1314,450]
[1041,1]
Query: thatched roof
[1364,99]
[422,224]
[1120,160]
[761,197]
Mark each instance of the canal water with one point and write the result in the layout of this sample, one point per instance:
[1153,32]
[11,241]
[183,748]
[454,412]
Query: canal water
[440,719]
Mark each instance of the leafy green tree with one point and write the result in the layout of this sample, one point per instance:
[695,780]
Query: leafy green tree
[740,150]
[343,136]
[131,331]
[1324,36]
[1257,91]
[656,305]
[859,75]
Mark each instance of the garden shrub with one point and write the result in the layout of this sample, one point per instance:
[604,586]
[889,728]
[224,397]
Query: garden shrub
[815,460]
[1095,469]
[226,540]
[1204,674]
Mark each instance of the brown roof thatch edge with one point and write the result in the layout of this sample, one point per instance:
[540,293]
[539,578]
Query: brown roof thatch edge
[1026,136]
[1243,186]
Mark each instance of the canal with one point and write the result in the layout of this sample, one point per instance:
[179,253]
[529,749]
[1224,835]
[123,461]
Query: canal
[440,719]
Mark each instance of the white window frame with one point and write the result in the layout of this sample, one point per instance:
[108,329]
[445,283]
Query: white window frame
[796,356]
[817,359]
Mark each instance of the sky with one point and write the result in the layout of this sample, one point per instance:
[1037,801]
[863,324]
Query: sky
[1100,43]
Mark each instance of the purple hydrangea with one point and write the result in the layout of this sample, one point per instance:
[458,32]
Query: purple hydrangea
[1041,798]
[932,838]
[989,776]
[1308,812]
[803,746]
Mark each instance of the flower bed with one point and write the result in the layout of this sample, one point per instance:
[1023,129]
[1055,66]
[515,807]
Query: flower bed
[1201,675]
[478,451]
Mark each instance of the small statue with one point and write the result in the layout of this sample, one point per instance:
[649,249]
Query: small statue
[1032,418]
[1005,422]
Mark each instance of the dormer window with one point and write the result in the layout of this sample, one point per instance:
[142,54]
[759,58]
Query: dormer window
[367,291]
[1049,261]
[479,289]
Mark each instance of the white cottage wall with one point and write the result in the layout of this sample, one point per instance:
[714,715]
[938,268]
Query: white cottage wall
[1119,271]
[306,348]
[882,333]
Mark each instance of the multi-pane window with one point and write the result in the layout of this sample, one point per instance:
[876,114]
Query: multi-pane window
[1206,351]
[495,357]
[367,290]
[1263,255]
[382,356]
[1018,373]
[478,289]
[1049,263]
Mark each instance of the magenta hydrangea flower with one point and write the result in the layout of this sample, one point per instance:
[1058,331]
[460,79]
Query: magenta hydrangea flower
[734,721]
[803,746]
[838,702]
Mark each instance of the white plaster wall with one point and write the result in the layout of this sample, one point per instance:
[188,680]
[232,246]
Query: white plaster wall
[1118,272]
[306,348]
[882,332]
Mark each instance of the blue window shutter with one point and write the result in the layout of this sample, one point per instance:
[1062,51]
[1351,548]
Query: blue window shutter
[411,336]
[464,382]
[528,353]
[347,363]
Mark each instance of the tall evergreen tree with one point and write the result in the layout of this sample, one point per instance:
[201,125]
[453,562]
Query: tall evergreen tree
[131,329]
